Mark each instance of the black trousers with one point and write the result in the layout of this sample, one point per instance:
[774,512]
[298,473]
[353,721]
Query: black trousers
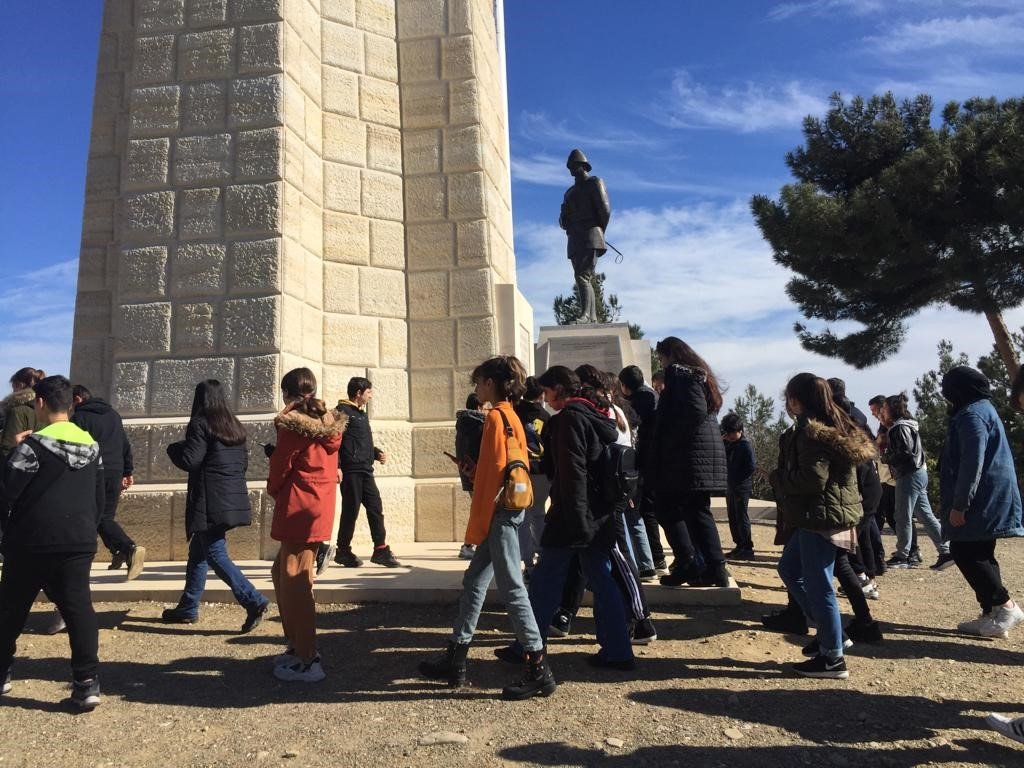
[690,527]
[737,506]
[360,489]
[112,534]
[851,586]
[645,498]
[977,562]
[65,577]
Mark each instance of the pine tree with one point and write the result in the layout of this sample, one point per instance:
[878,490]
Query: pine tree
[762,425]
[889,215]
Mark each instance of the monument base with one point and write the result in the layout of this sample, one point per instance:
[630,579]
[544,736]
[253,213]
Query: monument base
[606,346]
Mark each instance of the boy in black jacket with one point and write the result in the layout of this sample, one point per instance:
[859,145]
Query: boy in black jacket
[53,482]
[740,465]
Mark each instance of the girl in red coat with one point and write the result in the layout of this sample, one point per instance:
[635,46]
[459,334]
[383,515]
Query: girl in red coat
[302,477]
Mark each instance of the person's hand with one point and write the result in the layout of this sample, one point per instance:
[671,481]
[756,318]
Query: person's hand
[21,436]
[382,457]
[339,475]
[957,518]
[268,449]
[467,468]
[127,482]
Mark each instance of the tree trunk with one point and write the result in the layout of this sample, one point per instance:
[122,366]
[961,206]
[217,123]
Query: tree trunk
[1004,344]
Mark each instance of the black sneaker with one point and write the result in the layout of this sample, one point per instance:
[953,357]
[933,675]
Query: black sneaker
[600,662]
[914,558]
[661,566]
[561,624]
[178,616]
[644,632]
[648,574]
[822,667]
[714,576]
[347,559]
[324,553]
[253,617]
[537,680]
[868,632]
[945,561]
[86,694]
[509,654]
[897,562]
[116,561]
[384,556]
[814,649]
[792,622]
[741,553]
[682,575]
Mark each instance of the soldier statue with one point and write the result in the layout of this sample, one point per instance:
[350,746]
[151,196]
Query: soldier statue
[584,217]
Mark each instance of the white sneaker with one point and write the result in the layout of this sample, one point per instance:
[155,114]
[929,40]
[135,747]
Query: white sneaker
[871,590]
[1002,620]
[974,626]
[1011,728]
[297,672]
[6,685]
[466,552]
[285,658]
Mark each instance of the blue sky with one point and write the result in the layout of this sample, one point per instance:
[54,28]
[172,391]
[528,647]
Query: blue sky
[686,109]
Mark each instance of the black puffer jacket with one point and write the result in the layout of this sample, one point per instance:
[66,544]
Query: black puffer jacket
[574,440]
[469,431]
[217,496]
[689,455]
[357,452]
[99,419]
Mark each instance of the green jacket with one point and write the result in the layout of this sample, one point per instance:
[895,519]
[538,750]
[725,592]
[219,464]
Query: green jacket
[816,481]
[20,417]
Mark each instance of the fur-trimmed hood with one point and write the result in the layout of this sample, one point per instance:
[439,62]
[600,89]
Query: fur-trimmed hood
[855,448]
[331,424]
[21,397]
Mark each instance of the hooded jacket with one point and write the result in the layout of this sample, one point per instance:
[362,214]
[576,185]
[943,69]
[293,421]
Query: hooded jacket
[19,416]
[53,483]
[976,474]
[741,465]
[99,419]
[689,455]
[302,476]
[904,452]
[576,437]
[357,452]
[217,496]
[644,402]
[816,480]
[469,431]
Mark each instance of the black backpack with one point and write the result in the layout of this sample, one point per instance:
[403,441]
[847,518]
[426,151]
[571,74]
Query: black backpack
[619,475]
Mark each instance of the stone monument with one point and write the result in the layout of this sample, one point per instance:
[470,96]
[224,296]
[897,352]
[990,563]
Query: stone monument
[275,183]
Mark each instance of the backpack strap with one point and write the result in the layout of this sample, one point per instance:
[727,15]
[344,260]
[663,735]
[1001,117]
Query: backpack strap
[509,432]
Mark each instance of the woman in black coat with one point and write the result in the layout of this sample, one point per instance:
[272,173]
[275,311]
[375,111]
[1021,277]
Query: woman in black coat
[215,456]
[688,458]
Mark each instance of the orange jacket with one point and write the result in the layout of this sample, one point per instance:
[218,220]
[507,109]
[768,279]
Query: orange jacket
[490,470]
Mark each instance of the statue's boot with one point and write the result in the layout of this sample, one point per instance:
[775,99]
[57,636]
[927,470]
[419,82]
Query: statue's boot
[585,288]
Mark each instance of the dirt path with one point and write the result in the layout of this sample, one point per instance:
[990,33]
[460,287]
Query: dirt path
[713,691]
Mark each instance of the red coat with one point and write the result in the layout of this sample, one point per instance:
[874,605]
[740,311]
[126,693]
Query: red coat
[303,474]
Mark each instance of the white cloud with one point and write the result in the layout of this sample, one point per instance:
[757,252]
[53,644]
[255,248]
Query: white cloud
[37,314]
[744,108]
[991,34]
[820,7]
[539,127]
[956,81]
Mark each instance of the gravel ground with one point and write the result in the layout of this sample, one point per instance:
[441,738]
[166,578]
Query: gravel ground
[712,691]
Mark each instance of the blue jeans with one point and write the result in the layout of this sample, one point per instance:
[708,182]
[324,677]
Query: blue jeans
[498,557]
[609,609]
[636,537]
[911,502]
[208,549]
[807,567]
[533,524]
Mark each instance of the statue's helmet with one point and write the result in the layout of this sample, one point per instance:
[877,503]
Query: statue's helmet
[576,157]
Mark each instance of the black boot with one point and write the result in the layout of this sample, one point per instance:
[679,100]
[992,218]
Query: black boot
[682,573]
[451,666]
[716,575]
[537,679]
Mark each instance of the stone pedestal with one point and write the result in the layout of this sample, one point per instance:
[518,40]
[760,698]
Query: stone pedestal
[282,183]
[606,346]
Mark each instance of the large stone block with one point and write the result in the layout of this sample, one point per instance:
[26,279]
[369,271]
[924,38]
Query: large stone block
[174,382]
[341,288]
[383,149]
[142,273]
[342,190]
[154,59]
[147,514]
[431,395]
[473,243]
[340,91]
[256,10]
[343,46]
[376,16]
[92,269]
[351,340]
[102,178]
[471,293]
[424,105]
[258,384]
[334,383]
[144,328]
[130,388]
[251,325]
[202,13]
[390,393]
[205,107]
[256,102]
[478,340]
[425,198]
[313,331]
[206,55]
[200,213]
[253,209]
[399,499]
[159,15]
[431,245]
[457,57]
[395,439]
[259,154]
[202,159]
[245,542]
[381,292]
[382,195]
[256,266]
[463,149]
[422,151]
[195,329]
[260,49]
[428,447]
[379,101]
[381,57]
[138,441]
[387,244]
[422,18]
[428,295]
[432,344]
[146,163]
[161,469]
[394,343]
[435,515]
[155,110]
[420,60]
[467,196]
[197,269]
[464,102]
[344,139]
[91,364]
[343,11]
[463,504]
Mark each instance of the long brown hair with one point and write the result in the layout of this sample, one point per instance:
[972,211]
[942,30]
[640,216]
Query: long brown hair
[592,387]
[678,351]
[27,377]
[815,395]
[211,404]
[300,384]
[507,373]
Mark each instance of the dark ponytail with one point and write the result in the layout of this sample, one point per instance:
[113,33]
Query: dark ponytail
[301,383]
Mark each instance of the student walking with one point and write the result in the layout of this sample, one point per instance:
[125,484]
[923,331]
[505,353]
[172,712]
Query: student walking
[494,530]
[740,464]
[979,497]
[816,488]
[215,456]
[301,479]
[53,483]
[534,418]
[19,414]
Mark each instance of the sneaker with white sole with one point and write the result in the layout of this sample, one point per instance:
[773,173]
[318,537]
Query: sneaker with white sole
[823,668]
[974,626]
[136,560]
[466,552]
[5,687]
[871,590]
[1010,727]
[85,694]
[285,658]
[1002,620]
[945,561]
[298,672]
[324,556]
